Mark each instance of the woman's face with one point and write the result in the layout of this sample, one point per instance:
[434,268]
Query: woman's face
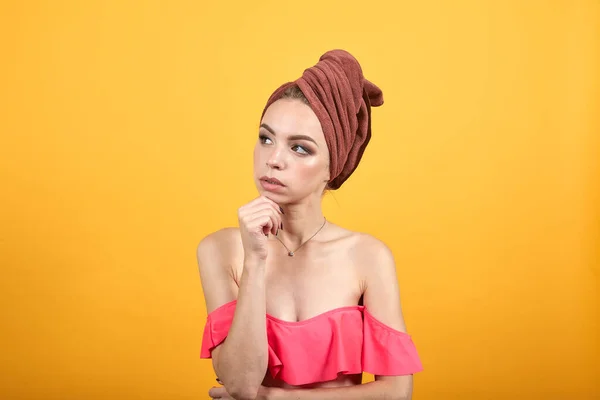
[291,148]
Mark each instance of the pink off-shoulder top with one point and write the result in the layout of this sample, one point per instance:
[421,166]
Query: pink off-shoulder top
[345,340]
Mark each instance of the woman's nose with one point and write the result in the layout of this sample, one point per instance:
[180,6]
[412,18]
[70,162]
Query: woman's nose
[274,161]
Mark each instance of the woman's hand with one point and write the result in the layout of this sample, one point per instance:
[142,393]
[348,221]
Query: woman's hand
[257,219]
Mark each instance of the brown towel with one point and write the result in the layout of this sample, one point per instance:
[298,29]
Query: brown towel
[341,98]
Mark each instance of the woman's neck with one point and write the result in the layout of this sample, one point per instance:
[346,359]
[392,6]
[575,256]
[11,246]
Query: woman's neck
[300,223]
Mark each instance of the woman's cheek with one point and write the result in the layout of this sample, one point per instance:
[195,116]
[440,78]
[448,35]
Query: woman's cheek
[310,171]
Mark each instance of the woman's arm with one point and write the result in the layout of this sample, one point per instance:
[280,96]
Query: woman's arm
[393,389]
[240,361]
[382,299]
[384,389]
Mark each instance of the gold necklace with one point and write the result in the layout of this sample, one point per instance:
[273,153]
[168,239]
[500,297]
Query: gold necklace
[290,252]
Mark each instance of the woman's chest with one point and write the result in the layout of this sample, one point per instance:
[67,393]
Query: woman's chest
[297,291]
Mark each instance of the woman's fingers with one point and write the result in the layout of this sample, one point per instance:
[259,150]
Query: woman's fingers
[267,220]
[257,206]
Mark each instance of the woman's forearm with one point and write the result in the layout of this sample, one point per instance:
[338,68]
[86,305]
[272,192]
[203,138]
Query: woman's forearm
[387,390]
[242,360]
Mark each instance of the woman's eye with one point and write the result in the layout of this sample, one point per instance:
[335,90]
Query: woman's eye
[299,149]
[264,140]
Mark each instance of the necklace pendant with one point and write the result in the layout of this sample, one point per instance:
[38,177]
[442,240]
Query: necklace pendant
[291,254]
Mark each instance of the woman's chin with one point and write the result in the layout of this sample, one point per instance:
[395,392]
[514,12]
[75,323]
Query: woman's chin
[271,195]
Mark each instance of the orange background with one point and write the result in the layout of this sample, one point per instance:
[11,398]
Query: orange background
[126,136]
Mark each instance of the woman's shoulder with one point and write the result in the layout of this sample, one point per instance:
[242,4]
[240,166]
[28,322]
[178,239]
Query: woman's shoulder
[362,242]
[364,251]
[372,258]
[224,242]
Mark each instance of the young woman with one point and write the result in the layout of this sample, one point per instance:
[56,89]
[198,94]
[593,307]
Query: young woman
[298,307]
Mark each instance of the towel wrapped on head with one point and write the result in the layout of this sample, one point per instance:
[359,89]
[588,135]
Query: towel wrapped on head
[342,98]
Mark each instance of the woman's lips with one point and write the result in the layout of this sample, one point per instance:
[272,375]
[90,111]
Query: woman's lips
[271,184]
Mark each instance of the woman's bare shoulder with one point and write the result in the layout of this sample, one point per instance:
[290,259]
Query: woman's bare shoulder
[363,248]
[339,235]
[360,241]
[370,244]
[220,246]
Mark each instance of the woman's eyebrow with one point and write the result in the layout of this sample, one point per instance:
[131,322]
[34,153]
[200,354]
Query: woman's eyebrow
[291,137]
